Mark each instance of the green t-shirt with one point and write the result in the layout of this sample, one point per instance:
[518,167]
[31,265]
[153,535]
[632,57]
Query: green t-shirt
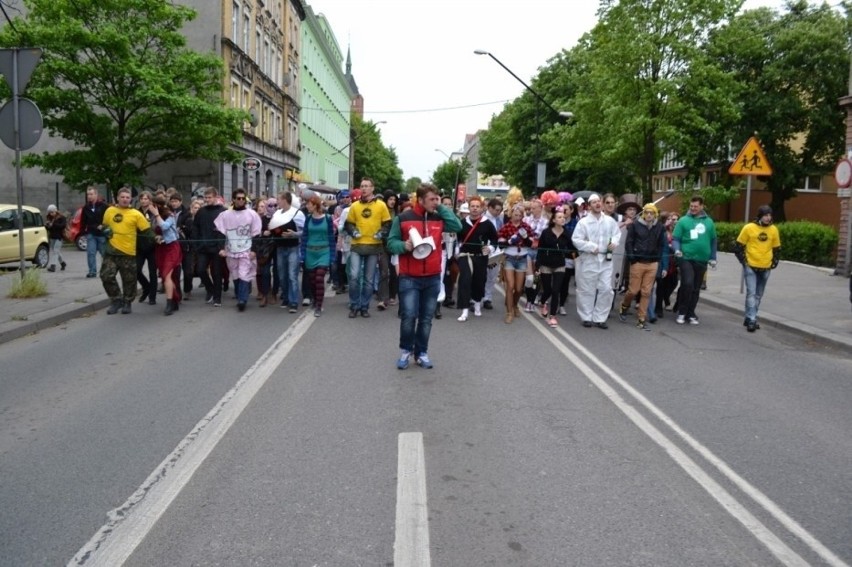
[696,236]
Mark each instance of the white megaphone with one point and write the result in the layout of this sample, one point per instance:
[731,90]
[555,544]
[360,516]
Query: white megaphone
[422,246]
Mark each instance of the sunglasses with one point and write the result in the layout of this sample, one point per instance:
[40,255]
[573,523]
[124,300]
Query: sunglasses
[239,198]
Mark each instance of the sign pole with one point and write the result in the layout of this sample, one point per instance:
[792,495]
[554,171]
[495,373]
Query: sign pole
[18,173]
[748,198]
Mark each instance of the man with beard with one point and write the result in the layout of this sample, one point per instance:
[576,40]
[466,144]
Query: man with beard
[476,234]
[368,223]
[239,225]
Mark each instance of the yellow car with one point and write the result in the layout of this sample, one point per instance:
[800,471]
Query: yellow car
[35,236]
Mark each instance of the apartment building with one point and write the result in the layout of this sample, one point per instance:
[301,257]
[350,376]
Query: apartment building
[327,96]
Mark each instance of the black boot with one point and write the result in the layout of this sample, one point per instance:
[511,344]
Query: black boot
[126,307]
[438,312]
[62,266]
[170,307]
[114,307]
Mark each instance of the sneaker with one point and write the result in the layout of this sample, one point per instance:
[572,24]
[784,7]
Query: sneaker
[91,275]
[477,309]
[317,312]
[293,308]
[114,307]
[562,311]
[306,301]
[544,311]
[353,313]
[52,268]
[365,314]
[587,324]
[404,359]
[423,361]
[241,306]
[381,306]
[693,320]
[602,325]
[209,299]
[487,304]
[62,266]
[622,313]
[752,326]
[680,320]
[217,303]
[642,326]
[528,308]
[553,322]
[463,317]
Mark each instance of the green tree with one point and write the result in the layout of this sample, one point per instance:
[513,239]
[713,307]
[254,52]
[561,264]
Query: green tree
[792,68]
[372,159]
[411,184]
[118,81]
[450,173]
[633,67]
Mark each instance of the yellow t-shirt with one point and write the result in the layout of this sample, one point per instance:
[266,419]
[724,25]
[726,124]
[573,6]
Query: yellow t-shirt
[368,219]
[125,223]
[759,242]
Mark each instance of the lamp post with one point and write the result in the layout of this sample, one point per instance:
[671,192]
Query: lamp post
[540,166]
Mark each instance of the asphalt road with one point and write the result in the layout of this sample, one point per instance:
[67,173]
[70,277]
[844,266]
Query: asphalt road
[218,438]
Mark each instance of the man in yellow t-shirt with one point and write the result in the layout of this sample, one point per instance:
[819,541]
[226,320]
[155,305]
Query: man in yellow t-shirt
[368,223]
[122,225]
[758,248]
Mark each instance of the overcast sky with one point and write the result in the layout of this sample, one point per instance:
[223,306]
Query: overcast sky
[415,67]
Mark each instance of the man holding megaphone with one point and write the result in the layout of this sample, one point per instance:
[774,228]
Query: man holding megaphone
[415,236]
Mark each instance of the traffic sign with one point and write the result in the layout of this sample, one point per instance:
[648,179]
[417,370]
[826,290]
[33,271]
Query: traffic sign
[252,164]
[843,173]
[29,122]
[27,61]
[751,160]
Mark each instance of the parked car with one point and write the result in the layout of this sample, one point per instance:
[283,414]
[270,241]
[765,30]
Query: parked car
[75,229]
[35,236]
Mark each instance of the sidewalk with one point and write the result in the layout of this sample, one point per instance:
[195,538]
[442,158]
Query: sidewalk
[801,299]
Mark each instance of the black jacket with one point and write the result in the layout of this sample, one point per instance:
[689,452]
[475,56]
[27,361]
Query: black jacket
[552,249]
[209,240]
[92,217]
[645,243]
[475,239]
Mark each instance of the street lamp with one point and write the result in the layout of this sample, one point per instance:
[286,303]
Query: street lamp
[540,167]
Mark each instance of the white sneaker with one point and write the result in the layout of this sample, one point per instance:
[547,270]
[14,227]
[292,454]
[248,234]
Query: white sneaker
[680,320]
[477,309]
[693,320]
[463,316]
[306,301]
[562,311]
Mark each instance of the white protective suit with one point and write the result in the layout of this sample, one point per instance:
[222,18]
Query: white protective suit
[593,272]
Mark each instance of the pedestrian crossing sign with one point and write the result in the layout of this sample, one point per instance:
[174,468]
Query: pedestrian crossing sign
[751,160]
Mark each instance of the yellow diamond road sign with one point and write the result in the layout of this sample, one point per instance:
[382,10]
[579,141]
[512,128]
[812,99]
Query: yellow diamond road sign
[751,160]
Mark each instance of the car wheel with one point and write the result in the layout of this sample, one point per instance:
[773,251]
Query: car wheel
[81,242]
[41,256]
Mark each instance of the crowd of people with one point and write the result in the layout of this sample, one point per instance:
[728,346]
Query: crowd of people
[421,253]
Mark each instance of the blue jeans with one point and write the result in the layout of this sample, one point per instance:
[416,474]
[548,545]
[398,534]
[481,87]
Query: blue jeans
[755,281]
[287,262]
[418,299]
[361,286]
[94,244]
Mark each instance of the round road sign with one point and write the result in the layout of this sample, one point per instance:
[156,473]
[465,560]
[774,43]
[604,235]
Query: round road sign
[843,173]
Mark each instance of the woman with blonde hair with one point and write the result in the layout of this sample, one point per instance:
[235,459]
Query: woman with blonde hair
[515,238]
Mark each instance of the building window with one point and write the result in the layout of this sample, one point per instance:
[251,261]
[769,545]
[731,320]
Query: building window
[235,94]
[246,32]
[235,23]
[267,56]
[258,45]
[812,183]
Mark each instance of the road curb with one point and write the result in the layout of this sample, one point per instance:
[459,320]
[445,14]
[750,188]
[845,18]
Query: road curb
[11,330]
[820,336]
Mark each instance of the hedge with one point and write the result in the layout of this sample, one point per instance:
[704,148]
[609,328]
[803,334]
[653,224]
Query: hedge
[801,241]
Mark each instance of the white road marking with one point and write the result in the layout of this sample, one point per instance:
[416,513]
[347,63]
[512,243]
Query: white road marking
[777,547]
[130,523]
[411,546]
